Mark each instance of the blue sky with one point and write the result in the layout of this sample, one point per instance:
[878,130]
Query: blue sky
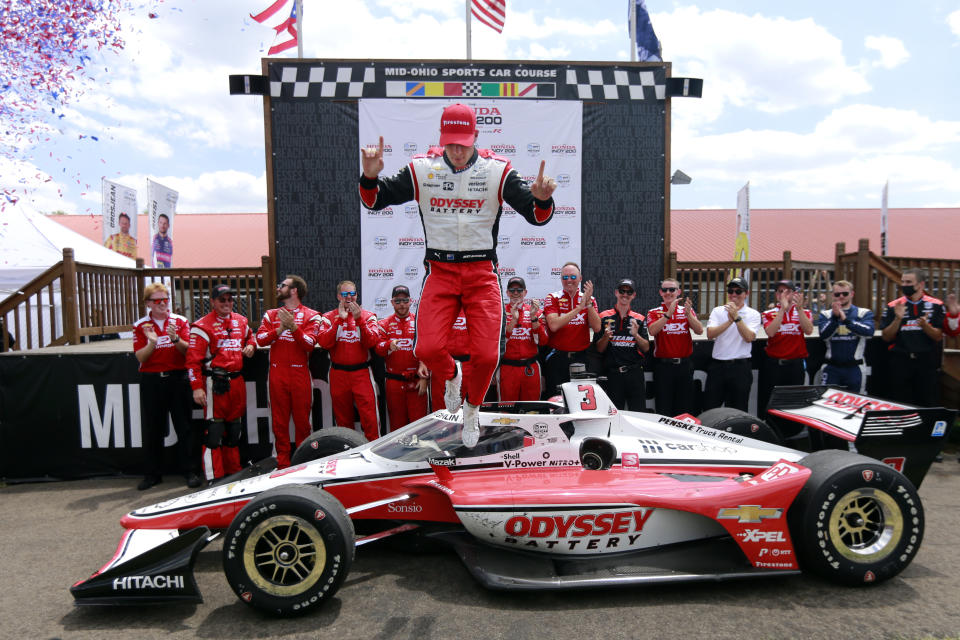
[817,104]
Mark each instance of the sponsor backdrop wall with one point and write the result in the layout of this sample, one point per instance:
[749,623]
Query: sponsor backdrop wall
[392,239]
[602,129]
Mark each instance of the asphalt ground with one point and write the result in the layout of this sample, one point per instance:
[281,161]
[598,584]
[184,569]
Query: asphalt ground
[52,535]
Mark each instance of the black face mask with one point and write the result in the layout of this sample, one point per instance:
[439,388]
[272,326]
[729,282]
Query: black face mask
[908,290]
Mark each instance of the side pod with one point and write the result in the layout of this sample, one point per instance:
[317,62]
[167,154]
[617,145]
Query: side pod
[161,572]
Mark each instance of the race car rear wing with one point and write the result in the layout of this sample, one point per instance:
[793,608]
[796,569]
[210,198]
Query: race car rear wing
[905,437]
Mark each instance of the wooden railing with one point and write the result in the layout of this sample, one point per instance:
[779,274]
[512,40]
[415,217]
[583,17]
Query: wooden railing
[876,279]
[72,300]
[705,282]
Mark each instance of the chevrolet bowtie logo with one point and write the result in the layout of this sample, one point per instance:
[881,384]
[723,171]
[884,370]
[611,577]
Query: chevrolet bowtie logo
[749,513]
[506,420]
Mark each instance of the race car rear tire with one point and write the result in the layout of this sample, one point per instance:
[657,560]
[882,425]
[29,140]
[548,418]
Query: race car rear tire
[288,550]
[856,521]
[739,423]
[326,442]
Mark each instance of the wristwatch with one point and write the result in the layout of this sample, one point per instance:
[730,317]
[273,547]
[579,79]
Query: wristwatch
[737,319]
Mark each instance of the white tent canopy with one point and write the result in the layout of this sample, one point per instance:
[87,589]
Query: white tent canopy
[30,244]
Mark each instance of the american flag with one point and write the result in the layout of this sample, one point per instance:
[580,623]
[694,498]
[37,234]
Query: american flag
[284,22]
[490,12]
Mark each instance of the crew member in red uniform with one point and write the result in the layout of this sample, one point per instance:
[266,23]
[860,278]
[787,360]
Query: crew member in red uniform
[406,383]
[160,342]
[670,325]
[913,325]
[354,331]
[623,342]
[571,316]
[291,332]
[218,343]
[786,325]
[458,346]
[525,330]
[461,191]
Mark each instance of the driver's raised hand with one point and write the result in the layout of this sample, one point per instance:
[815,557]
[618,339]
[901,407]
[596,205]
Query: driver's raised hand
[544,186]
[372,159]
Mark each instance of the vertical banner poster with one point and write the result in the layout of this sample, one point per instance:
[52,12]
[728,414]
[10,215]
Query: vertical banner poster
[883,219]
[524,132]
[161,206]
[741,249]
[119,218]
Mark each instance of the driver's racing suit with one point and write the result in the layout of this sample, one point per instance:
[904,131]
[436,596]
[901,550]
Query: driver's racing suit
[460,210]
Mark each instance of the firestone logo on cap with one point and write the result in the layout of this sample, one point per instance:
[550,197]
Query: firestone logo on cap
[458,124]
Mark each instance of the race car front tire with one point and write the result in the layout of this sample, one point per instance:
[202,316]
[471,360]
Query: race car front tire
[327,442]
[856,521]
[739,423]
[288,550]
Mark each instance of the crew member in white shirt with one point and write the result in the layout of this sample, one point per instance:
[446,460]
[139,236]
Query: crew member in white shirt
[732,327]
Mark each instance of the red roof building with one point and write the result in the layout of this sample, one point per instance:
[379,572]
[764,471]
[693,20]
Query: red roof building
[707,235]
[216,240]
[697,235]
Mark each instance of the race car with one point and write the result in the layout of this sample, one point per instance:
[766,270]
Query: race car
[571,493]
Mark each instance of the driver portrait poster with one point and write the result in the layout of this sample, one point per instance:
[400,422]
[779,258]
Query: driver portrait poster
[119,218]
[523,132]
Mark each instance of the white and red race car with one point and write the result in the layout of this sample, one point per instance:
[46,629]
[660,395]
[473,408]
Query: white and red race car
[565,494]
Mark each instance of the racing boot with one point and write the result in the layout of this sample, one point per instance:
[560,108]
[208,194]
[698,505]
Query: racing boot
[451,393]
[471,425]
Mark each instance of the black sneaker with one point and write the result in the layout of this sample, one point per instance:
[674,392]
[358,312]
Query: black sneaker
[193,480]
[148,481]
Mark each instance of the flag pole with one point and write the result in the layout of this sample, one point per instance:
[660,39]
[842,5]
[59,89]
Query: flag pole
[633,30]
[299,5]
[466,4]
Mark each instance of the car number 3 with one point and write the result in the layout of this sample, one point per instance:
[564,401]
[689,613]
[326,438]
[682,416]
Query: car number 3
[589,402]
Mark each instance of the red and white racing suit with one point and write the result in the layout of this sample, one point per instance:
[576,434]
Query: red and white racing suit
[291,389]
[458,346]
[519,369]
[351,381]
[460,210]
[216,344]
[404,403]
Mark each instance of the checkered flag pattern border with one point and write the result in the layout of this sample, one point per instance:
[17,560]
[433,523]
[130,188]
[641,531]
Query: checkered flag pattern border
[616,84]
[323,82]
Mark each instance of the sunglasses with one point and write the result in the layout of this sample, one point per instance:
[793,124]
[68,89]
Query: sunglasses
[840,294]
[668,289]
[159,300]
[225,299]
[734,291]
[402,300]
[570,277]
[515,290]
[625,292]
[283,284]
[348,294]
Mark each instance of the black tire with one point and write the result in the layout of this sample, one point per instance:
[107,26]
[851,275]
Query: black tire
[856,521]
[739,423]
[288,550]
[327,442]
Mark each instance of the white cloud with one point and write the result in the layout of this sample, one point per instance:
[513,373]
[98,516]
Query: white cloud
[892,51]
[227,191]
[770,64]
[953,21]
[840,161]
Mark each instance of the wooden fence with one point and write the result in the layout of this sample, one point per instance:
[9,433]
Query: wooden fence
[875,279]
[72,300]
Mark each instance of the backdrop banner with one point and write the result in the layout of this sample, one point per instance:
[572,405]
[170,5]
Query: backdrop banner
[392,242]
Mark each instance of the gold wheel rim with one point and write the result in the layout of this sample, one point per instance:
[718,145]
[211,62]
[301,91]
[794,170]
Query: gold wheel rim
[865,525]
[284,555]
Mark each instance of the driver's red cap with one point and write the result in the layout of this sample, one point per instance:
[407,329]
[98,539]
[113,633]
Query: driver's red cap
[458,125]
